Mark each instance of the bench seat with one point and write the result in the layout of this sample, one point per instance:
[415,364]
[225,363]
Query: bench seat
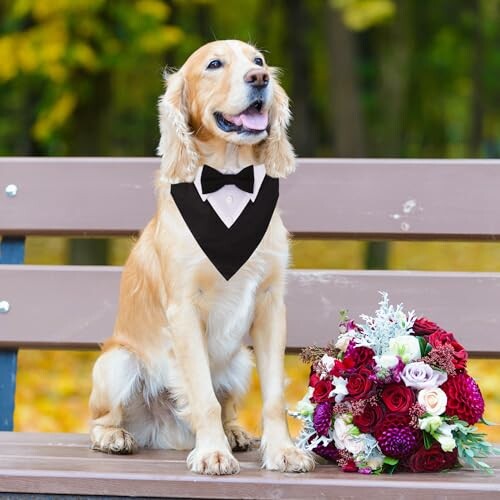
[73,307]
[47,464]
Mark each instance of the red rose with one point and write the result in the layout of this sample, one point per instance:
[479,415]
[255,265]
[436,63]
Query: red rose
[432,460]
[350,466]
[360,383]
[361,356]
[424,326]
[340,367]
[368,420]
[322,391]
[440,338]
[397,397]
[313,379]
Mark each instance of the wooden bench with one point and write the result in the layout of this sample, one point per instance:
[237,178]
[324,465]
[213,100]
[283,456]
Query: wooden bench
[74,307]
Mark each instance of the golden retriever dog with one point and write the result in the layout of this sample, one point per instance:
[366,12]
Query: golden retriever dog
[175,368]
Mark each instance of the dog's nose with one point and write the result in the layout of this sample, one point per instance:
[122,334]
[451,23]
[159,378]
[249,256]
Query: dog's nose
[257,78]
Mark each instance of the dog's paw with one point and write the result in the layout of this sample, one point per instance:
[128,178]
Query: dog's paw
[240,440]
[113,440]
[212,462]
[289,459]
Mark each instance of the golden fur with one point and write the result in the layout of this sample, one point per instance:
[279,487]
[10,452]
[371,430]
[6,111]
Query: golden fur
[175,368]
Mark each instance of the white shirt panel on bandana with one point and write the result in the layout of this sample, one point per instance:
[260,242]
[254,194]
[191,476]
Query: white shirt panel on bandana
[230,201]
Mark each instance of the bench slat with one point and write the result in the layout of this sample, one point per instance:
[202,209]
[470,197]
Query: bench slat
[75,306]
[342,198]
[90,473]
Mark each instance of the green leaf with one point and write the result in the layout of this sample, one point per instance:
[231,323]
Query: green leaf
[423,345]
[428,440]
[486,422]
[482,464]
[390,468]
[391,460]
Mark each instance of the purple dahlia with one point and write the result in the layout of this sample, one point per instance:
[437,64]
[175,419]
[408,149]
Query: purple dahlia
[322,418]
[398,442]
[396,437]
[329,452]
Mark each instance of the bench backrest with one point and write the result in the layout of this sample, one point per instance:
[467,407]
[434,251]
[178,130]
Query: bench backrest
[74,306]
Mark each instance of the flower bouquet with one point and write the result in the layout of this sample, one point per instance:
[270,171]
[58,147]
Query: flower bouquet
[393,393]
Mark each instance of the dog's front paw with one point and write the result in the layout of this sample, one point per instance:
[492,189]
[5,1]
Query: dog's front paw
[113,440]
[288,459]
[239,440]
[215,462]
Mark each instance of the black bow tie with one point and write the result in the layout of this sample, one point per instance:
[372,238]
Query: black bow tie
[212,180]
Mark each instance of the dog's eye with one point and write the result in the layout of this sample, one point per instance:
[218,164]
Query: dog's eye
[215,64]
[259,61]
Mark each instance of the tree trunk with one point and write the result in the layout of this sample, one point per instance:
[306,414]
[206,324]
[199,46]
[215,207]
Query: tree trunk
[348,121]
[393,49]
[477,108]
[303,130]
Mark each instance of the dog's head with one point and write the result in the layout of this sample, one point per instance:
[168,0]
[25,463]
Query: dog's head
[225,90]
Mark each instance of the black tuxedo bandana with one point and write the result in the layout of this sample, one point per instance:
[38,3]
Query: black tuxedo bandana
[227,248]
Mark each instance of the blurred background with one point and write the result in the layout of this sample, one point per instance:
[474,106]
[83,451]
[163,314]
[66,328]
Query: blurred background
[367,78]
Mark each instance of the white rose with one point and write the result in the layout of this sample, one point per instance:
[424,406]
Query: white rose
[433,400]
[430,424]
[341,430]
[354,445]
[420,375]
[447,442]
[327,362]
[344,339]
[406,347]
[386,361]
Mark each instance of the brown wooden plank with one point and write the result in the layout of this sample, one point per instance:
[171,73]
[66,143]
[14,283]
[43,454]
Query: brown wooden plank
[348,198]
[75,307]
[87,473]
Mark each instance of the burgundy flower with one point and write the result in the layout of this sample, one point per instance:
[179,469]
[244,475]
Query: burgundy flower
[370,418]
[313,379]
[340,368]
[360,383]
[328,452]
[397,397]
[432,460]
[322,418]
[396,437]
[350,466]
[361,356]
[440,338]
[322,391]
[464,398]
[424,326]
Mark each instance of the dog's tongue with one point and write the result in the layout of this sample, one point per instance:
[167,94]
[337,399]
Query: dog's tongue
[250,119]
[254,120]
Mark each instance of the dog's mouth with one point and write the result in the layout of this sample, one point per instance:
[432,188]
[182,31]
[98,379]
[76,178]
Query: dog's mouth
[252,120]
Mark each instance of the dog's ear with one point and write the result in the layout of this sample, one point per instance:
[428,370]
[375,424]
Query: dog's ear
[276,151]
[179,158]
